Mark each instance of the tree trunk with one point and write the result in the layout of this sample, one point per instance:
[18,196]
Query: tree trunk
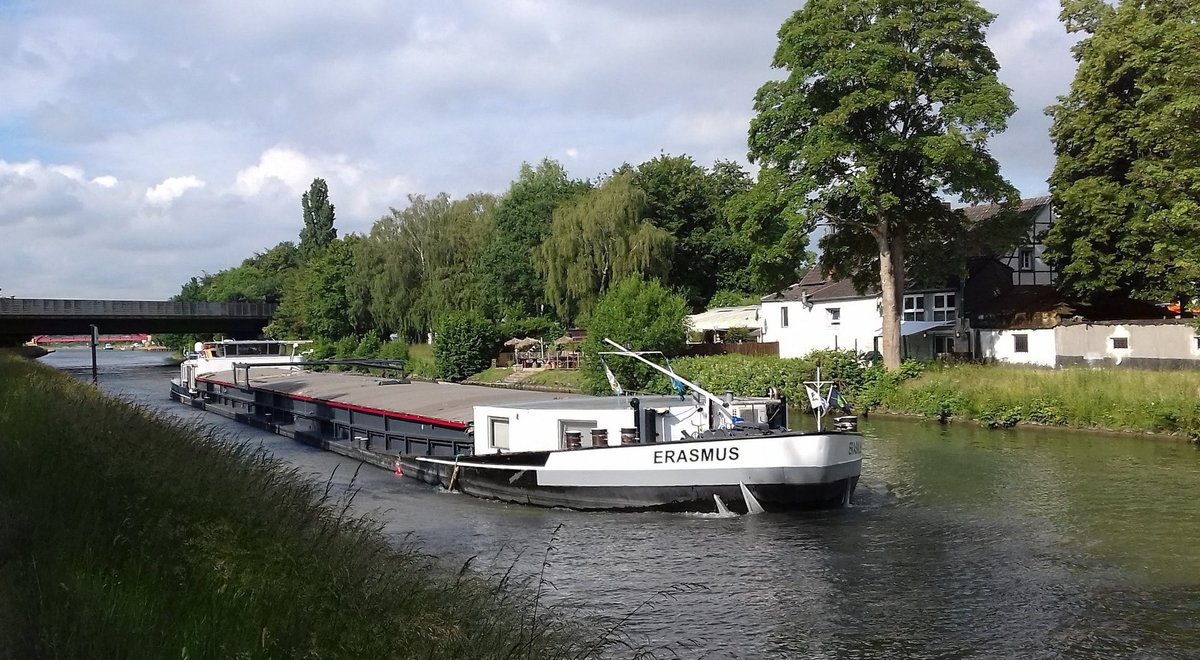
[891,289]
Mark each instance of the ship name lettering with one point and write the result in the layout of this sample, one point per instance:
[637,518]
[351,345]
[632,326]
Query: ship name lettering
[695,455]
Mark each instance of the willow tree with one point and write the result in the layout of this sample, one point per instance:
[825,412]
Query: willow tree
[419,263]
[885,110]
[597,239]
[1126,184]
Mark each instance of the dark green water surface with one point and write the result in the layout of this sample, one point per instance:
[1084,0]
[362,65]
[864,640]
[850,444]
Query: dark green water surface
[961,543]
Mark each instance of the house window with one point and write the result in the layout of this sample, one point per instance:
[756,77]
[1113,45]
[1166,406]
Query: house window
[835,315]
[944,308]
[1120,342]
[1025,258]
[783,320]
[1020,343]
[498,432]
[914,308]
[1198,343]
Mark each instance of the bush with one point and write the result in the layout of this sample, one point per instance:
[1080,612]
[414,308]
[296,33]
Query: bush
[640,314]
[394,350]
[463,347]
[737,335]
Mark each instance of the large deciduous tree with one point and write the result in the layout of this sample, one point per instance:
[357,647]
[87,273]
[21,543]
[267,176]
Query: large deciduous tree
[318,230]
[688,201]
[886,109]
[1126,185]
[523,217]
[598,239]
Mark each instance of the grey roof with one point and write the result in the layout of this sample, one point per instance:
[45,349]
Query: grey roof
[985,211]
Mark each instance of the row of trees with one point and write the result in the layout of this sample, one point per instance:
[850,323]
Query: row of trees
[885,111]
[535,258]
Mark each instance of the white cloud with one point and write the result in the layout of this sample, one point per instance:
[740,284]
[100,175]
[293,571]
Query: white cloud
[381,99]
[172,189]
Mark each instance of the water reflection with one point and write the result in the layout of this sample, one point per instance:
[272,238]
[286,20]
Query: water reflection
[962,543]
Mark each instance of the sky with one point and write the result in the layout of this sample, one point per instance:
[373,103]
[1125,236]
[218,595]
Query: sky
[143,143]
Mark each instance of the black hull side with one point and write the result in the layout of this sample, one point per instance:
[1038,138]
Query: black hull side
[522,488]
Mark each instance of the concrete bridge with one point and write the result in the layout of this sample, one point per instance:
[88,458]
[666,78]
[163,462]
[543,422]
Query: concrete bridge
[37,316]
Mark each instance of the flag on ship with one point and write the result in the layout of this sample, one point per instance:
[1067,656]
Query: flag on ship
[612,381]
[814,399]
[836,400]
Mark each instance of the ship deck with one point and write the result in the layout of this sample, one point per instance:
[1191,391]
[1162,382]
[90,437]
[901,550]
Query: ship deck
[449,402]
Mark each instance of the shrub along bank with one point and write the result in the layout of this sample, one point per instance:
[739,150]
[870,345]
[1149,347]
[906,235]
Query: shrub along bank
[125,534]
[996,396]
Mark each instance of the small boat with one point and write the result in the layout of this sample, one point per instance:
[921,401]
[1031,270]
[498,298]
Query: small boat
[689,453]
[215,356]
[108,347]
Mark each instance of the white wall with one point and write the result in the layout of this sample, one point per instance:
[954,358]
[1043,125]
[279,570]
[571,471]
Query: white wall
[1000,345]
[810,328]
[537,429]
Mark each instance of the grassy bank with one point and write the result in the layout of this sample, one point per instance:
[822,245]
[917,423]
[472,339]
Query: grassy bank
[124,534]
[1001,396]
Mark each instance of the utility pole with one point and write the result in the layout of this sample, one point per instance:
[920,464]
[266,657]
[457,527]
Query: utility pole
[95,338]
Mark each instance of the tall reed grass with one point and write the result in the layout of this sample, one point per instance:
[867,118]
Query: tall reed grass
[125,534]
[1113,399]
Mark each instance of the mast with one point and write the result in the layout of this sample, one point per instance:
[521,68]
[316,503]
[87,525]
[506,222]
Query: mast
[712,398]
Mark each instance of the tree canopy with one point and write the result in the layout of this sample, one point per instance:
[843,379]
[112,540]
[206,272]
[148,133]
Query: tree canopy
[641,314]
[1126,183]
[522,220]
[885,111]
[597,239]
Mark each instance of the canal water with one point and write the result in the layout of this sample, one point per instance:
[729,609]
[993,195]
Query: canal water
[961,543]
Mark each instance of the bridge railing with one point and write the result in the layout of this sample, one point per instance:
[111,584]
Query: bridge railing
[33,307]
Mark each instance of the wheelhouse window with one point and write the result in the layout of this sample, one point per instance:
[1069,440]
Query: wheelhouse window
[835,315]
[1025,258]
[783,317]
[914,308]
[1120,342]
[1020,343]
[498,432]
[944,308]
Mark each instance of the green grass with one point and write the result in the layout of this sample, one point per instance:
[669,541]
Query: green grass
[1114,399]
[568,379]
[420,361]
[492,375]
[126,534]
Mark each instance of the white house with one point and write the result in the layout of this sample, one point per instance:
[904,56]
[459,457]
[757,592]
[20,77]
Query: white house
[816,313]
[819,313]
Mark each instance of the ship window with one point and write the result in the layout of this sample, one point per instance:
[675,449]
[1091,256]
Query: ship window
[1120,342]
[581,426]
[1020,343]
[498,432]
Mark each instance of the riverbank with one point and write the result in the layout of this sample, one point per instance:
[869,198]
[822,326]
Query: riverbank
[993,395]
[128,534]
[999,396]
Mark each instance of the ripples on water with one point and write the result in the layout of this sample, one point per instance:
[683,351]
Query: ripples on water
[961,543]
